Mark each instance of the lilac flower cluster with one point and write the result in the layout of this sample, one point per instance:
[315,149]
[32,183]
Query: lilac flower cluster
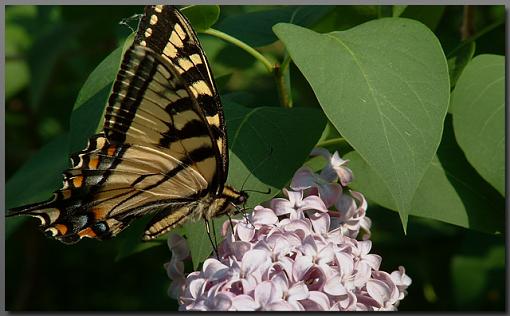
[295,253]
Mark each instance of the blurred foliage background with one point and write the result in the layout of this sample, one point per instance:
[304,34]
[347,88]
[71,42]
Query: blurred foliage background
[51,50]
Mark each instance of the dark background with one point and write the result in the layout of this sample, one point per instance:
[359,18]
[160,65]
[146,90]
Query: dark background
[51,50]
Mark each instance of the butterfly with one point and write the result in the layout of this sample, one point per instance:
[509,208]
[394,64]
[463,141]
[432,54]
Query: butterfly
[163,147]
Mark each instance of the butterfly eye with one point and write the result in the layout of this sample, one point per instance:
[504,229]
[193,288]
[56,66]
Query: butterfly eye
[242,198]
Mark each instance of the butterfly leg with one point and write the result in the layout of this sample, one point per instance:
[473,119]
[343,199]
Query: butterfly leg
[247,217]
[208,230]
[231,224]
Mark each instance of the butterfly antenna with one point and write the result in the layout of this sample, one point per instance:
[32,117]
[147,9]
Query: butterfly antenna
[215,238]
[208,230]
[125,21]
[257,166]
[268,191]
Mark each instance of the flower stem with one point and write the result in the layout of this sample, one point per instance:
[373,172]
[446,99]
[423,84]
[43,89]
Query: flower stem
[250,50]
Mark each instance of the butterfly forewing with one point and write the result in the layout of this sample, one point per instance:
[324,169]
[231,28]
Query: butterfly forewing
[176,42]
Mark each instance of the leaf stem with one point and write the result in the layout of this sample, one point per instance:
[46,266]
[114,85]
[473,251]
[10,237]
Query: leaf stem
[332,141]
[277,70]
[475,37]
[285,63]
[283,93]
[250,50]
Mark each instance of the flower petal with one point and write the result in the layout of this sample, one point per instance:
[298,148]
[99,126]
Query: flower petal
[253,260]
[280,206]
[178,246]
[313,202]
[265,293]
[320,222]
[379,291]
[334,286]
[264,216]
[279,305]
[244,302]
[300,267]
[298,291]
[316,301]
[245,231]
[303,179]
[221,302]
[213,269]
[329,193]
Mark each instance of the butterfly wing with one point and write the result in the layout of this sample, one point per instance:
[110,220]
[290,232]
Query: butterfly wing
[178,44]
[162,146]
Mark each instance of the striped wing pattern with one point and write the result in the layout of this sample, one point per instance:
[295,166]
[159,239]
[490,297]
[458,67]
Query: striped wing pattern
[163,145]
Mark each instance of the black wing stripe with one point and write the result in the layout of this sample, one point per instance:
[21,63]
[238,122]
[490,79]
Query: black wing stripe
[195,156]
[133,98]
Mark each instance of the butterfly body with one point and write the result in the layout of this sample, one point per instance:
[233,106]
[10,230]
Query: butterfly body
[163,148]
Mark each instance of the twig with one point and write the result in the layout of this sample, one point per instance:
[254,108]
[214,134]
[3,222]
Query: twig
[467,29]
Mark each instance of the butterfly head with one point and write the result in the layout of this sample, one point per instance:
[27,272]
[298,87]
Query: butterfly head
[241,199]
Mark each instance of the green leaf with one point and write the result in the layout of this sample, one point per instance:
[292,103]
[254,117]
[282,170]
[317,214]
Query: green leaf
[130,241]
[398,10]
[42,58]
[89,106]
[17,77]
[430,15]
[202,17]
[267,145]
[478,108]
[474,276]
[198,241]
[254,28]
[384,86]
[451,191]
[343,17]
[37,178]
[459,61]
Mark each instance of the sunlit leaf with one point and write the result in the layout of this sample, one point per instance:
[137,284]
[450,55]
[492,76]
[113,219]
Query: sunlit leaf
[384,86]
[478,108]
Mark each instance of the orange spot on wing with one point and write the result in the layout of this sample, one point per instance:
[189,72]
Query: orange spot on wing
[62,229]
[111,151]
[77,181]
[87,232]
[66,194]
[99,213]
[93,163]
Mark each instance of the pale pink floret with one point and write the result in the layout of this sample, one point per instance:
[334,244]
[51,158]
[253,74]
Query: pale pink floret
[299,253]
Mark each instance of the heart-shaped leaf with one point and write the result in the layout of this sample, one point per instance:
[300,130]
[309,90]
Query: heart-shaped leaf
[478,108]
[384,86]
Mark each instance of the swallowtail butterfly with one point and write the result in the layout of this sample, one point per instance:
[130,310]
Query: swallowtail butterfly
[163,147]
